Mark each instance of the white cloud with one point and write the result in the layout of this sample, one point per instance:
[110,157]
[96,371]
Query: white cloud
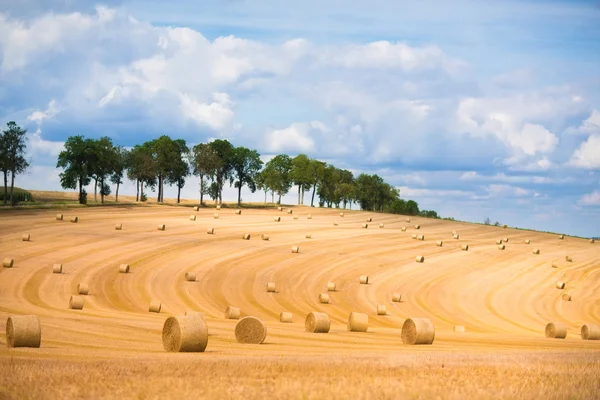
[217,115]
[408,192]
[295,138]
[588,154]
[590,199]
[589,126]
[49,113]
[39,146]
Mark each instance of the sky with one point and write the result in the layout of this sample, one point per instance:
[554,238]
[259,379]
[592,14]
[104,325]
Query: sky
[473,109]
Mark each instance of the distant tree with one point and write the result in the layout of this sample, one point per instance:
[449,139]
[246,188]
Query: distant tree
[487,221]
[12,155]
[316,171]
[205,164]
[119,167]
[164,151]
[74,159]
[496,223]
[179,168]
[224,151]
[141,168]
[412,208]
[213,191]
[429,214]
[301,175]
[245,164]
[260,183]
[102,160]
[277,175]
[4,165]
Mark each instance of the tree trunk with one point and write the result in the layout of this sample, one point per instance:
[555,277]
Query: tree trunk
[117,193]
[265,197]
[240,195]
[178,193]
[272,197]
[137,190]
[95,187]
[279,201]
[299,194]
[201,190]
[312,201]
[141,190]
[302,201]
[5,187]
[12,186]
[102,191]
[80,188]
[158,195]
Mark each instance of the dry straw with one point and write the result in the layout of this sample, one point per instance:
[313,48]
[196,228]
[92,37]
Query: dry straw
[232,312]
[414,235]
[341,214]
[59,217]
[200,314]
[358,322]
[83,289]
[417,226]
[324,298]
[505,226]
[536,251]
[561,237]
[196,208]
[271,287]
[439,243]
[560,285]
[556,330]
[75,220]
[505,240]
[456,236]
[566,297]
[192,217]
[381,309]
[421,237]
[590,332]
[26,237]
[218,207]
[420,259]
[277,219]
[396,297]
[364,279]
[365,226]
[331,286]
[23,331]
[499,241]
[459,328]
[465,247]
[407,219]
[527,241]
[317,322]
[295,249]
[592,241]
[381,225]
[568,259]
[210,231]
[369,219]
[124,268]
[309,216]
[155,306]
[238,212]
[190,276]
[8,262]
[185,334]
[403,229]
[264,236]
[285,317]
[418,331]
[290,211]
[308,236]
[216,216]
[554,265]
[250,330]
[162,227]
[501,247]
[279,209]
[76,303]
[118,227]
[296,216]
[57,269]
[246,236]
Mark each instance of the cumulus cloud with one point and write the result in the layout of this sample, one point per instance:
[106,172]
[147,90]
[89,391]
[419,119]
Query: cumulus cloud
[217,115]
[49,113]
[588,154]
[590,199]
[296,138]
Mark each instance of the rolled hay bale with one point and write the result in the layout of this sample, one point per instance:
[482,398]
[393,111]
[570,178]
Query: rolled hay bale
[501,247]
[155,306]
[196,208]
[271,287]
[118,227]
[246,236]
[369,219]
[381,225]
[456,236]
[124,268]
[396,297]
[505,240]
[560,285]
[381,309]
[453,233]
[232,312]
[403,229]
[407,219]
[590,332]
[23,331]
[536,251]
[556,330]
[210,231]
[568,259]
[566,297]
[505,226]
[439,243]
[295,249]
[358,322]
[309,236]
[365,226]
[8,262]
[83,289]
[290,211]
[417,226]
[420,237]
[185,334]
[465,247]
[592,241]
[309,216]
[459,328]
[76,303]
[26,237]
[324,298]
[75,220]
[59,217]
[499,241]
[279,209]
[418,331]
[192,217]
[420,259]
[341,214]
[561,237]
[218,207]
[285,317]
[250,330]
[57,269]
[277,219]
[200,314]
[527,241]
[190,276]
[216,216]
[162,227]
[296,216]
[414,235]
[335,224]
[331,286]
[364,279]
[317,322]
[554,265]
[264,236]
[238,212]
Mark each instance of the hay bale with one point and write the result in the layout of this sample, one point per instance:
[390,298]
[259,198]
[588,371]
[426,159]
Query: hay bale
[279,209]
[331,286]
[554,265]
[218,207]
[295,249]
[465,247]
[309,236]
[453,233]
[505,240]
[285,317]
[556,330]
[75,220]
[57,269]
[358,322]
[536,251]
[365,226]
[271,287]
[264,236]
[381,225]
[592,241]
[560,285]
[381,309]
[216,215]
[456,236]
[296,216]
[155,306]
[566,297]
[324,298]
[407,220]
[335,224]
[439,243]
[369,219]
[309,216]
[403,229]
[290,211]
[414,235]
[192,217]
[363,279]
[459,328]
[83,289]
[505,226]
[76,303]
[190,276]
[501,247]
[418,331]
[561,237]
[590,332]
[23,331]
[250,330]
[341,214]
[417,226]
[420,259]
[185,334]
[420,237]
[59,217]
[8,262]
[162,227]
[118,227]
[124,268]
[200,314]
[317,322]
[396,297]
[26,237]
[232,312]
[527,241]
[246,236]
[196,208]
[568,259]
[210,231]
[277,219]
[499,241]
[238,212]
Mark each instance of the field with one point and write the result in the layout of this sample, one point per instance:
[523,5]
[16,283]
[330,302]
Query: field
[113,348]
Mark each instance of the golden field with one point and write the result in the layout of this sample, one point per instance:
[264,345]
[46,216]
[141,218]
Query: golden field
[113,347]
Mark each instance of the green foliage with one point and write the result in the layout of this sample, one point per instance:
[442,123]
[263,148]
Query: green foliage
[429,214]
[276,175]
[245,165]
[75,159]
[143,197]
[82,197]
[12,156]
[205,163]
[19,195]
[223,150]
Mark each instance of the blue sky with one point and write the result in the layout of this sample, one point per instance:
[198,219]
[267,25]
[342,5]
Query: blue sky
[474,109]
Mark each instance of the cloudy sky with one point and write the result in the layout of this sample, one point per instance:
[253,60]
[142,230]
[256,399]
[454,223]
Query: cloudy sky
[475,109]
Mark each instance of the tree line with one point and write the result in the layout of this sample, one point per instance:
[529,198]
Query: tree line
[12,158]
[164,161]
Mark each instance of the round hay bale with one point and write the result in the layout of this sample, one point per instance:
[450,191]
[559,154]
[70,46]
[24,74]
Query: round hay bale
[279,209]
[536,251]
[285,317]
[459,328]
[364,279]
[568,259]
[309,236]
[499,241]
[421,237]
[465,247]
[232,312]
[192,217]
[210,231]
[271,287]
[407,219]
[417,226]
[439,243]
[246,236]
[381,309]
[403,229]
[341,214]
[560,285]
[296,216]
[365,226]
[335,224]
[456,236]
[369,219]
[26,237]
[124,268]
[418,331]
[277,219]
[554,266]
[317,322]
[185,334]
[190,276]
[309,216]
[118,227]
[590,332]
[420,259]
[162,227]
[8,262]
[396,297]
[23,331]
[556,330]
[331,286]
[76,303]
[324,298]
[527,241]
[59,217]
[561,237]
[155,306]
[75,220]
[238,212]
[83,289]
[290,211]
[264,236]
[453,233]
[358,322]
[216,216]
[505,240]
[566,297]
[414,235]
[200,314]
[381,225]
[57,269]
[501,247]
[295,249]
[196,208]
[505,226]
[592,241]
[218,207]
[250,330]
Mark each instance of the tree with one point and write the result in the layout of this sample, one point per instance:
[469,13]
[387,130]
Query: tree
[74,159]
[315,172]
[164,150]
[141,168]
[120,164]
[102,162]
[487,221]
[327,186]
[224,151]
[179,167]
[301,175]
[205,164]
[4,167]
[412,208]
[277,175]
[13,155]
[260,183]
[245,164]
